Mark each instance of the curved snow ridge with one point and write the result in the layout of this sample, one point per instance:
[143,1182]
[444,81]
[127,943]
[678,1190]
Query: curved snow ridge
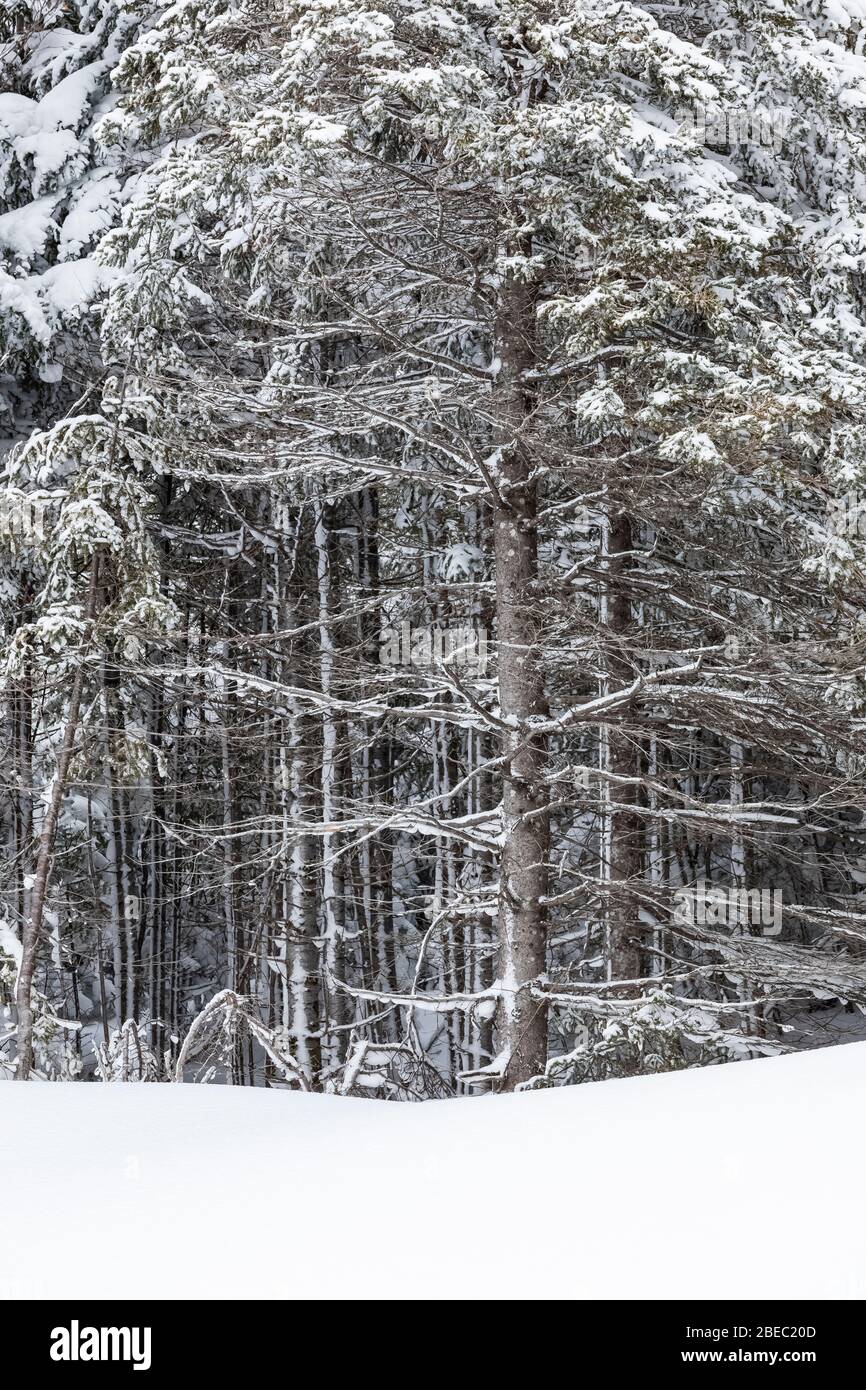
[720,1181]
[63,107]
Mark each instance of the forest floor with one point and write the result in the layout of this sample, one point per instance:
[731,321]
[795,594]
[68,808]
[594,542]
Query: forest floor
[732,1181]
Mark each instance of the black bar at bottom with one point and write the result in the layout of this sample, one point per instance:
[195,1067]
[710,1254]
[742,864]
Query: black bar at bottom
[163,1341]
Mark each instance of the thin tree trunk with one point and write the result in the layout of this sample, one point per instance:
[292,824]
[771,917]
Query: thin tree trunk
[114,853]
[305,753]
[333,889]
[622,830]
[33,925]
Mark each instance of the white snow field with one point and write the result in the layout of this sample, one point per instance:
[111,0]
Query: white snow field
[733,1181]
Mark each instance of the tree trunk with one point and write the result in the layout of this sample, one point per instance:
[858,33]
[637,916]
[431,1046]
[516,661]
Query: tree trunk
[33,924]
[623,832]
[305,754]
[521,1020]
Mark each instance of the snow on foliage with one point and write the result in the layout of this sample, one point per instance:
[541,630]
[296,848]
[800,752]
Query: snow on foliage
[322,320]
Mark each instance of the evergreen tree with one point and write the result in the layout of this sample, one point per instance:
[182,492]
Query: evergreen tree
[543,323]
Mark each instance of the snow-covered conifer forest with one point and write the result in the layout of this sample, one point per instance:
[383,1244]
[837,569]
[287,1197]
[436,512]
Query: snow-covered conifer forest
[432,539]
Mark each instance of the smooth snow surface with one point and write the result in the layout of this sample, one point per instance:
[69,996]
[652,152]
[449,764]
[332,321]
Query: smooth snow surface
[734,1181]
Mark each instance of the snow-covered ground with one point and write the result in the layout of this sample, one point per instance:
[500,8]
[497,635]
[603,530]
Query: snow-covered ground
[734,1181]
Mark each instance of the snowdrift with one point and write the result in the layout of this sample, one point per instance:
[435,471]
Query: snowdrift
[732,1181]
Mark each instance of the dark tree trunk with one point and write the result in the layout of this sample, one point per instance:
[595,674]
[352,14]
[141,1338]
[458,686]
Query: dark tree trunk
[522,1020]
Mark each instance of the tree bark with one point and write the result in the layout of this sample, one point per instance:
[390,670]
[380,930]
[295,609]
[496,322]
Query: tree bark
[624,836]
[521,1020]
[33,924]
